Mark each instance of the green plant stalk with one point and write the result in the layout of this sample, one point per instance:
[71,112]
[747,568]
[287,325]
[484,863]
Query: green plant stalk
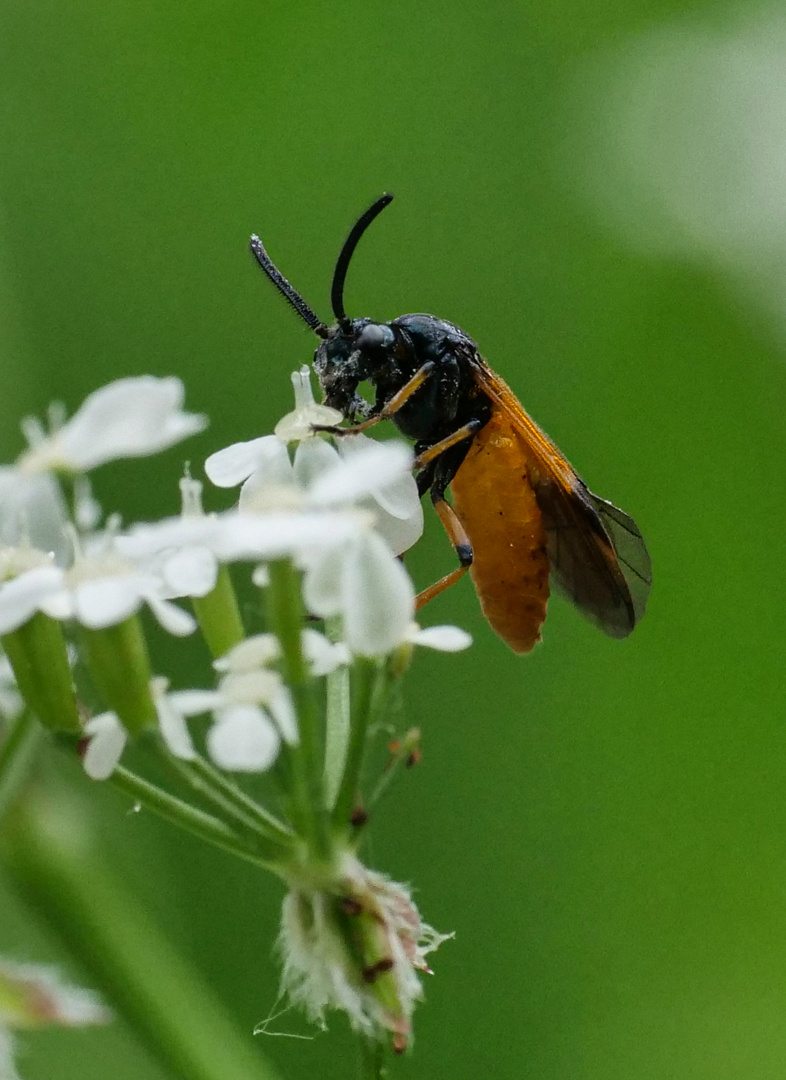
[365,679]
[337,724]
[157,992]
[371,1059]
[257,850]
[218,615]
[37,653]
[119,666]
[226,798]
[17,754]
[308,798]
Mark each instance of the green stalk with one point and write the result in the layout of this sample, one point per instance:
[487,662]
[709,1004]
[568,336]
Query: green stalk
[365,683]
[17,754]
[195,821]
[37,652]
[157,992]
[286,618]
[226,797]
[371,1059]
[218,615]
[119,666]
[337,725]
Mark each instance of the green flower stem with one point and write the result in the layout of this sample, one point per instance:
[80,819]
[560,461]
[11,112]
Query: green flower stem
[195,821]
[371,1059]
[407,745]
[366,675]
[224,796]
[157,992]
[336,725]
[218,615]
[17,754]
[308,797]
[37,652]
[119,666]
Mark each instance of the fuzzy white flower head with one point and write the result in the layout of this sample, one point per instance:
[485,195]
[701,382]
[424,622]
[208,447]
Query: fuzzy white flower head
[128,418]
[357,949]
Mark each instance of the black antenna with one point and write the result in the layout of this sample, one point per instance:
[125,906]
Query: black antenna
[348,250]
[291,295]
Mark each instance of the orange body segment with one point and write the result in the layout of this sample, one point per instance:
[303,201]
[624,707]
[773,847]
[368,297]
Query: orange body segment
[495,503]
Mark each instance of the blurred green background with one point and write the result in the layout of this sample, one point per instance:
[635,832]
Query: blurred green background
[602,823]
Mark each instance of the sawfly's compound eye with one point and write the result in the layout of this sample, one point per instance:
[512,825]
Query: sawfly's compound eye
[374,336]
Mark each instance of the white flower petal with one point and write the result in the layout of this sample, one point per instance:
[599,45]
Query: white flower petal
[443,638]
[128,418]
[251,653]
[283,712]
[107,601]
[243,739]
[7,1067]
[23,596]
[249,687]
[378,598]
[173,619]
[363,473]
[398,533]
[313,458]
[323,656]
[106,745]
[399,498]
[32,509]
[322,583]
[195,702]
[231,466]
[191,571]
[144,541]
[173,727]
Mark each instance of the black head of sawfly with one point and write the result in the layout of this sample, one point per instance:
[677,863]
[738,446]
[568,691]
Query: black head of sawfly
[353,351]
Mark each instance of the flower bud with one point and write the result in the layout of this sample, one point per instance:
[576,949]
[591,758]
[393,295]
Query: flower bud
[357,946]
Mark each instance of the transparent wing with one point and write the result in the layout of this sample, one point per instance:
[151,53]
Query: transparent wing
[597,553]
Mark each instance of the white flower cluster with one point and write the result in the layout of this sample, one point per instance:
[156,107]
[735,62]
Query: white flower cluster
[342,513]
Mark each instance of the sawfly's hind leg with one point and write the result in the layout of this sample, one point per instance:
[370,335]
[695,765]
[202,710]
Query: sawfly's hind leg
[440,464]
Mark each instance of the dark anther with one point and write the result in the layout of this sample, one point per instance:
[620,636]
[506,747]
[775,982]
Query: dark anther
[359,817]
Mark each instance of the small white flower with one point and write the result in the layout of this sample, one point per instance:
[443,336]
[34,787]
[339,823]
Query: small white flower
[262,650]
[32,512]
[372,591]
[35,995]
[252,711]
[129,418]
[32,590]
[103,589]
[363,473]
[107,738]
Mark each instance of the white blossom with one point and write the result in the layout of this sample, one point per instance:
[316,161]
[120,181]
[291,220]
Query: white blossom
[35,995]
[252,712]
[128,418]
[107,738]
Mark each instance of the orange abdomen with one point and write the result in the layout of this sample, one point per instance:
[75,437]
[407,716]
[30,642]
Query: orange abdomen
[495,503]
